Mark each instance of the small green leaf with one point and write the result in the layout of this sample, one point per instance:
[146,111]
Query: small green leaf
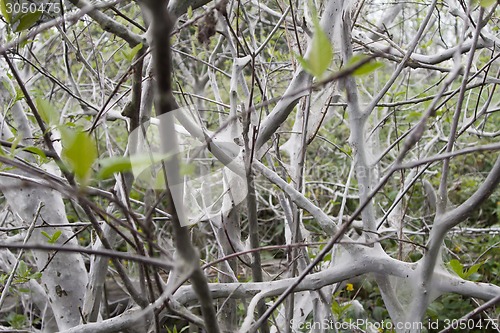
[414,115]
[26,21]
[19,94]
[48,113]
[23,43]
[304,63]
[80,151]
[135,49]
[36,151]
[15,141]
[345,307]
[336,308]
[473,269]
[190,12]
[321,54]
[142,161]
[487,3]
[16,320]
[131,54]
[52,239]
[367,68]
[55,236]
[22,269]
[3,10]
[364,69]
[457,267]
[112,165]
[159,180]
[355,59]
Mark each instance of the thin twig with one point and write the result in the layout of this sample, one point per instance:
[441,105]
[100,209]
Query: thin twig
[19,256]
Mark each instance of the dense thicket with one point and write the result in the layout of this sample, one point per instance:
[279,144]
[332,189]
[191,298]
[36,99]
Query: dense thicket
[281,166]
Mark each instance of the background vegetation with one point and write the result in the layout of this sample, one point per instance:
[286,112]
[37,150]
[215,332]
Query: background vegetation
[366,136]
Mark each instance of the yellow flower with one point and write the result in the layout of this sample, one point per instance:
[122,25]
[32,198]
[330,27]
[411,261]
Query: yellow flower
[349,287]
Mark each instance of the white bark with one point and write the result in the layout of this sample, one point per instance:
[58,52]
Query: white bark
[65,276]
[330,22]
[354,261]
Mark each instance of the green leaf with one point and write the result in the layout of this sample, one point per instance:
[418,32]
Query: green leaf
[364,69]
[17,321]
[15,141]
[80,152]
[321,54]
[26,21]
[336,308]
[367,68]
[52,239]
[48,113]
[148,170]
[112,165]
[19,94]
[3,10]
[355,59]
[487,3]
[414,115]
[457,267]
[55,236]
[159,180]
[131,54]
[23,43]
[36,151]
[22,269]
[304,63]
[346,307]
[473,269]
